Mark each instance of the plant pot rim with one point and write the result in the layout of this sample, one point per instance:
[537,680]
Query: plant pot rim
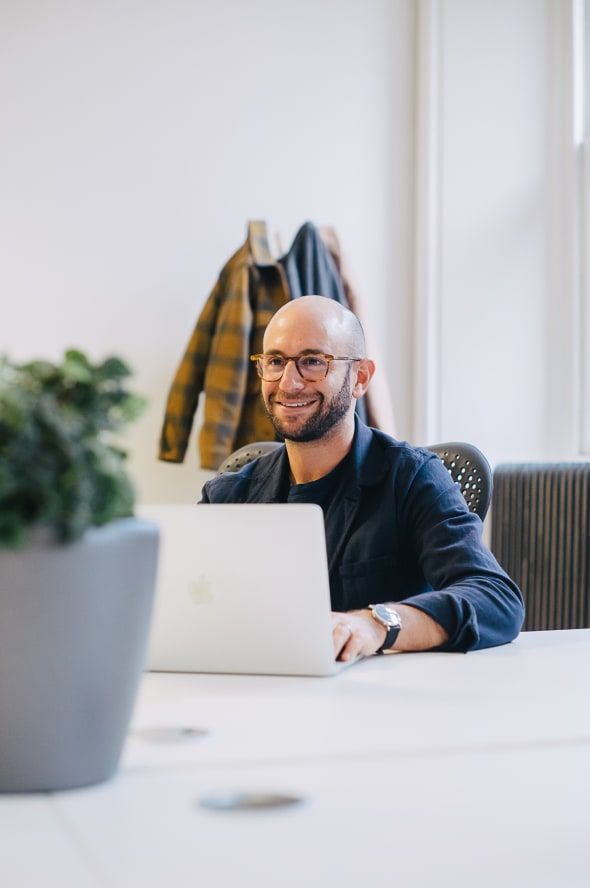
[40,537]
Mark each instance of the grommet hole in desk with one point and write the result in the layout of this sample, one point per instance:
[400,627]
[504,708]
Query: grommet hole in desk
[172,734]
[247,801]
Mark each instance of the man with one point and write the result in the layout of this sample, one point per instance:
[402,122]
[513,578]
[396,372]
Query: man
[408,568]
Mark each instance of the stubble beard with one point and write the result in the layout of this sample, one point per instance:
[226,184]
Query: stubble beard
[322,421]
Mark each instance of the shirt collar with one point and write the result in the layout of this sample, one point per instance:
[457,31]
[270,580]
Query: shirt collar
[258,243]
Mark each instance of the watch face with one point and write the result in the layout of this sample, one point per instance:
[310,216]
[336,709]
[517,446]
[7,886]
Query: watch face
[386,615]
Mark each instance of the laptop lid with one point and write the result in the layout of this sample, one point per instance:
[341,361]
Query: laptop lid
[241,589]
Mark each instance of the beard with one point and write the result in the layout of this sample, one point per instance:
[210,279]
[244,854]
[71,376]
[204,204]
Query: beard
[319,423]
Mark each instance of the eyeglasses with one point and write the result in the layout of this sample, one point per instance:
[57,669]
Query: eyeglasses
[312,367]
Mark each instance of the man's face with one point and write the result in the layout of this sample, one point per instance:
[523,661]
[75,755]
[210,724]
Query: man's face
[301,410]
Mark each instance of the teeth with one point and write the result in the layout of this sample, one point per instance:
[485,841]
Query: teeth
[298,404]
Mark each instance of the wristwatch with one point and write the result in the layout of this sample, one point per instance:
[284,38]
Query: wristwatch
[389,618]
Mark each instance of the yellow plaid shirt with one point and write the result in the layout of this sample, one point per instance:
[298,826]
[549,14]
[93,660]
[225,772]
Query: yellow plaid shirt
[252,286]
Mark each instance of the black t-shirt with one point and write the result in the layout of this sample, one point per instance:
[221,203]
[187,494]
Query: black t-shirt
[327,492]
[321,491]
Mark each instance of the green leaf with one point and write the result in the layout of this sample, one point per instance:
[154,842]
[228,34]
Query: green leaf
[76,367]
[77,357]
[112,368]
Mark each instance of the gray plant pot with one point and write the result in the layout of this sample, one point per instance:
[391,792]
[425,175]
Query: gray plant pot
[74,623]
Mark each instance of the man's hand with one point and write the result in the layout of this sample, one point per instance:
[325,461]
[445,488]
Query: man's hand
[356,634]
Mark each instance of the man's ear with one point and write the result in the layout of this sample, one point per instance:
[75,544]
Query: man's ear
[364,374]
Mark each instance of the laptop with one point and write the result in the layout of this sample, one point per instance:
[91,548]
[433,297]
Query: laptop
[241,589]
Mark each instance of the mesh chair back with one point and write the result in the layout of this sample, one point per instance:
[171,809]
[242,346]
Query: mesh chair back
[469,468]
[239,458]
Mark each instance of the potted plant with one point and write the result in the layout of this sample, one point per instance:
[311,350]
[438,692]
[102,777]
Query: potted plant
[77,573]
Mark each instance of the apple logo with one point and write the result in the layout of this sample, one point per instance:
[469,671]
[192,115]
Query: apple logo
[200,591]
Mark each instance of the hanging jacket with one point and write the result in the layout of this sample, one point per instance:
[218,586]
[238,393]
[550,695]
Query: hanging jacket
[250,289]
[310,269]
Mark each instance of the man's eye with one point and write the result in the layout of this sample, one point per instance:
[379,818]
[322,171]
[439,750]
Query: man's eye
[312,361]
[274,361]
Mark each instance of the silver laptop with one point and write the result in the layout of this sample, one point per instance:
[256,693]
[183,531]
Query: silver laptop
[241,589]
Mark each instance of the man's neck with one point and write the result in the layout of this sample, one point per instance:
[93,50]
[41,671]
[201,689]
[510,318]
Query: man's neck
[312,460]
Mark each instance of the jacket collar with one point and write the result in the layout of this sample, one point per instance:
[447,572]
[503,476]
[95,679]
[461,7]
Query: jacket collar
[368,460]
[259,245]
[368,467]
[268,477]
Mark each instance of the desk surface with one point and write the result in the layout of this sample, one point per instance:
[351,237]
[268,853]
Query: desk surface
[424,769]
[530,691]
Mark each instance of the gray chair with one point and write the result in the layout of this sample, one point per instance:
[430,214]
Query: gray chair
[466,465]
[240,458]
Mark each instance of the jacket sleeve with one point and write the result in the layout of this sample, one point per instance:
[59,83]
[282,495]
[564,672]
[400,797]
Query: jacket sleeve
[472,597]
[188,383]
[204,496]
[227,370]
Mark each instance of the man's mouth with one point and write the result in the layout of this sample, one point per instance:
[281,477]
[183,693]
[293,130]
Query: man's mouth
[295,405]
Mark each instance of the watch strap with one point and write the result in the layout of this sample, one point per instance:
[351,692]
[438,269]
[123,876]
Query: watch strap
[390,638]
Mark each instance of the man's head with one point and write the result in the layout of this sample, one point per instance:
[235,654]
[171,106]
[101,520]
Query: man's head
[303,409]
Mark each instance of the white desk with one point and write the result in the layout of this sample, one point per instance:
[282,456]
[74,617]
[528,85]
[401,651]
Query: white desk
[416,769]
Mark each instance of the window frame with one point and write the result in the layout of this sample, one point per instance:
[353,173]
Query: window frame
[581,100]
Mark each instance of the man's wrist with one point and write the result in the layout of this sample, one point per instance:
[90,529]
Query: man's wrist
[390,621]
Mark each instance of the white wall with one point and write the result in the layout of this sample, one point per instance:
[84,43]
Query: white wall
[138,138]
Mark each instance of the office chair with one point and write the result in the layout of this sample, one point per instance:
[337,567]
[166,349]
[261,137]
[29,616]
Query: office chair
[466,465]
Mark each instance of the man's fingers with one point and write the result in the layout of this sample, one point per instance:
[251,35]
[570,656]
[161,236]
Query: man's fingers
[340,634]
[353,646]
[355,635]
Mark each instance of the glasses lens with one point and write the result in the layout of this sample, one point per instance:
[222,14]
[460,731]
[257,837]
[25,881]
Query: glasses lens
[271,367]
[312,367]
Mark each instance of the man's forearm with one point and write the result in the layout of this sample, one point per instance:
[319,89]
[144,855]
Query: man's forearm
[419,631]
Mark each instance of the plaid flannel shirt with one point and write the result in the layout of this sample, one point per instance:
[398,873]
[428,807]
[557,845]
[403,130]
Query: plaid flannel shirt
[249,290]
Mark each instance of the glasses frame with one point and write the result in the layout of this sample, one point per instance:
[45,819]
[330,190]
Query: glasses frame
[296,358]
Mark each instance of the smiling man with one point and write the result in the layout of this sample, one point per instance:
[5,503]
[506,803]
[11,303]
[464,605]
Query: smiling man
[408,568]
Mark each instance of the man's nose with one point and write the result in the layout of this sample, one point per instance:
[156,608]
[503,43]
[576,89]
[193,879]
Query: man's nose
[291,379]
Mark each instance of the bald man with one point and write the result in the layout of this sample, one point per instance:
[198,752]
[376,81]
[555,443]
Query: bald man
[408,568]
